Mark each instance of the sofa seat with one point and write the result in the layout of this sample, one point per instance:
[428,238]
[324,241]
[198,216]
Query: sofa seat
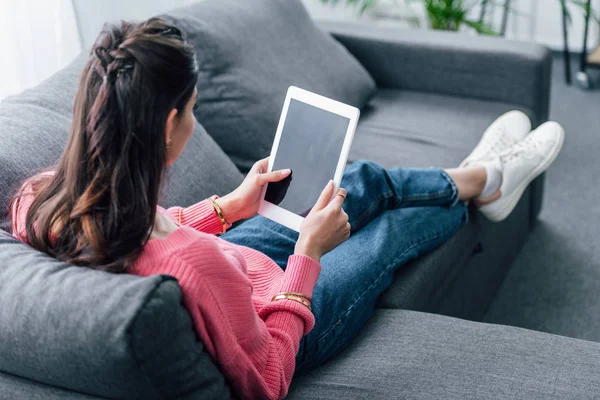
[412,355]
[418,129]
[15,387]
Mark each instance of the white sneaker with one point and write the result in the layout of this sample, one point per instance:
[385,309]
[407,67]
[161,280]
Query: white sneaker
[521,164]
[502,134]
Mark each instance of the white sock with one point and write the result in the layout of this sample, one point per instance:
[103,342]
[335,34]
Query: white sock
[494,172]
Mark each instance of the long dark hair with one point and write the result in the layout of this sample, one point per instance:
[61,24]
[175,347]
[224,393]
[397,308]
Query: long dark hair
[100,202]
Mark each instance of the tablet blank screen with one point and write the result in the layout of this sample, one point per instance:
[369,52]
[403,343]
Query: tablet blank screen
[310,145]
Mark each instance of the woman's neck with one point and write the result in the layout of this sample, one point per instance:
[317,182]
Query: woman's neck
[163,227]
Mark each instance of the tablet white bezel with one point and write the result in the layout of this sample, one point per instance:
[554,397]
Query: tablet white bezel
[279,214]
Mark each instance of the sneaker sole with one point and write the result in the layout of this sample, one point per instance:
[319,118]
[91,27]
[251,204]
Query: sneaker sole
[507,208]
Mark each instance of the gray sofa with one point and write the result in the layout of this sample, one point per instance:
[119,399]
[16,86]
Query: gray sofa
[73,333]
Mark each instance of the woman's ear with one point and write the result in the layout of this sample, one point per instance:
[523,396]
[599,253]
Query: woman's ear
[170,125]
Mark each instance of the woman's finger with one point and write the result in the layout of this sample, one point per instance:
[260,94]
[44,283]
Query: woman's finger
[324,197]
[262,165]
[274,176]
[339,198]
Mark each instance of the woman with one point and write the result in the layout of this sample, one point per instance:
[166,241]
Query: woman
[254,294]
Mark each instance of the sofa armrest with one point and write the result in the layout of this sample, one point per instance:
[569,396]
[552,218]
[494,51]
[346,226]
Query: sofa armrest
[413,355]
[451,63]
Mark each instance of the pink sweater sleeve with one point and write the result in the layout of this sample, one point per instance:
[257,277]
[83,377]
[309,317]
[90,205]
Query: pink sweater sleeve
[19,213]
[200,216]
[21,206]
[256,351]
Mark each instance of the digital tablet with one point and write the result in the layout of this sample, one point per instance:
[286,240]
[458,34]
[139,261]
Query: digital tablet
[313,139]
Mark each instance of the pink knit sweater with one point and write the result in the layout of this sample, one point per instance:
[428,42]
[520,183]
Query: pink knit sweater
[227,289]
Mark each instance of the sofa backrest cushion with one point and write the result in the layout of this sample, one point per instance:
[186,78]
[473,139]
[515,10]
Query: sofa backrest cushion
[35,125]
[249,53]
[102,334]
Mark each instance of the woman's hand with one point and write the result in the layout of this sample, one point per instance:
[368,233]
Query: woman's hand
[325,227]
[243,202]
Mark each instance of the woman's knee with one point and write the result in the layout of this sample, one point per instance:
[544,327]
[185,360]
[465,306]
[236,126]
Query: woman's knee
[365,168]
[361,172]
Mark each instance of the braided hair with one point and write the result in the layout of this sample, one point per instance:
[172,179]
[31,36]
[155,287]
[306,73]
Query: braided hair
[98,207]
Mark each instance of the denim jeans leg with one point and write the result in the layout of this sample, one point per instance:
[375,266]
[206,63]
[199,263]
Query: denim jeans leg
[268,237]
[396,215]
[373,190]
[356,273]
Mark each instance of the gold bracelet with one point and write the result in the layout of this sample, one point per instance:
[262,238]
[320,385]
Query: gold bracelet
[219,213]
[298,295]
[293,298]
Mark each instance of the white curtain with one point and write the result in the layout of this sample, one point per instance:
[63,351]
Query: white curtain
[37,38]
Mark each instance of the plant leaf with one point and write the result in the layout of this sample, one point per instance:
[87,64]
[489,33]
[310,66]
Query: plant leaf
[511,9]
[584,8]
[450,14]
[481,28]
[367,4]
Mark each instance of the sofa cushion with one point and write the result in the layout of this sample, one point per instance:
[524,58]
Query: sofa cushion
[412,355]
[414,129]
[35,125]
[249,53]
[107,335]
[15,387]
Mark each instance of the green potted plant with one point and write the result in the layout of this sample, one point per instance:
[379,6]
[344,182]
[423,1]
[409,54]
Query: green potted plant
[579,3]
[449,15]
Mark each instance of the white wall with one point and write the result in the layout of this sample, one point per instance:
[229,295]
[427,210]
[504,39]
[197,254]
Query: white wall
[37,38]
[542,23]
[93,14]
[321,11]
[537,20]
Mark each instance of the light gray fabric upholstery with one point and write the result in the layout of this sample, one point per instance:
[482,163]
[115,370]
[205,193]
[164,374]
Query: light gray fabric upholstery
[451,63]
[455,64]
[410,355]
[97,333]
[35,126]
[249,53]
[15,388]
[415,129]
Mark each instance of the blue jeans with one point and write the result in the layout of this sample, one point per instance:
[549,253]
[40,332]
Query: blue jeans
[396,215]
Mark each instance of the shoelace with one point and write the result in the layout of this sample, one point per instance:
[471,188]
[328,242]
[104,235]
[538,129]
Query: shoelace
[502,141]
[490,145]
[521,148]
